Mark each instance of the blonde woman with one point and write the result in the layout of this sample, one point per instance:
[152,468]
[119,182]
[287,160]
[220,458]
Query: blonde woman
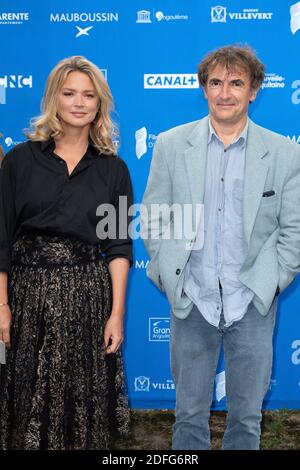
[62,287]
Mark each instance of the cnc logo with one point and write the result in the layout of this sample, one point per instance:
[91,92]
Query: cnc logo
[16,81]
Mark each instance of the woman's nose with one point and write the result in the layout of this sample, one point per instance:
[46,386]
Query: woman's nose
[78,100]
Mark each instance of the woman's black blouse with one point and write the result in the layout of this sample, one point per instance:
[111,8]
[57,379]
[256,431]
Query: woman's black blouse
[37,193]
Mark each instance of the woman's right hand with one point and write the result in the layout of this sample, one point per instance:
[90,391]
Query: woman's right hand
[5,324]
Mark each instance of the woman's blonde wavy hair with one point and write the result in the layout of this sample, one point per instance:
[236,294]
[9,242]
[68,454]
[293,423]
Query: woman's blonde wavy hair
[47,125]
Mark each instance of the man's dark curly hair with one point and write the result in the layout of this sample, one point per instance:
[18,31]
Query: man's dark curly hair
[231,57]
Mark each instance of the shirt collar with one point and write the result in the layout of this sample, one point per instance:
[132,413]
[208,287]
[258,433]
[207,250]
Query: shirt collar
[241,139]
[48,147]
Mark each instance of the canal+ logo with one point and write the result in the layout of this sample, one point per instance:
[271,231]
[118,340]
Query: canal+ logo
[170,80]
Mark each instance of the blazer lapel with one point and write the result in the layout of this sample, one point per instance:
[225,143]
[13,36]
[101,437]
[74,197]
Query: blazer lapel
[195,160]
[256,169]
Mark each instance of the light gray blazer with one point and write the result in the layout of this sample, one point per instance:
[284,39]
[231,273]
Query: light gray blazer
[271,224]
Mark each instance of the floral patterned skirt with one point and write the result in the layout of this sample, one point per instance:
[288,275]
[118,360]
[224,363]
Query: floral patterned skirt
[58,389]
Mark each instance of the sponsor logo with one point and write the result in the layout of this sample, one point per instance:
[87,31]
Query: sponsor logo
[296,94]
[117,142]
[159,329]
[1,150]
[140,142]
[8,141]
[219,14]
[143,16]
[170,80]
[272,384]
[141,264]
[143,141]
[83,31]
[295,358]
[272,80]
[104,71]
[13,18]
[220,383]
[160,16]
[295,17]
[167,385]
[294,138]
[16,81]
[84,17]
[142,384]
[2,94]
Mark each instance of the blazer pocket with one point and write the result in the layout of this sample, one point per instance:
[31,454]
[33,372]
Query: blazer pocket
[269,193]
[266,201]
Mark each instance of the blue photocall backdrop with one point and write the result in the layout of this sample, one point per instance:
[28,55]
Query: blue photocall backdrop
[149,52]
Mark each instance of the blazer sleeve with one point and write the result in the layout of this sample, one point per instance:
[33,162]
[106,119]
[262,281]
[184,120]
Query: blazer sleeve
[153,225]
[288,244]
[7,211]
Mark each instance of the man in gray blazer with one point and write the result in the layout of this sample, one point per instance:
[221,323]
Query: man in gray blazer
[225,290]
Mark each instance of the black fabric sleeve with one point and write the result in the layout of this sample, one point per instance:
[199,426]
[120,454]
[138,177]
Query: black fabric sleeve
[7,211]
[121,246]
